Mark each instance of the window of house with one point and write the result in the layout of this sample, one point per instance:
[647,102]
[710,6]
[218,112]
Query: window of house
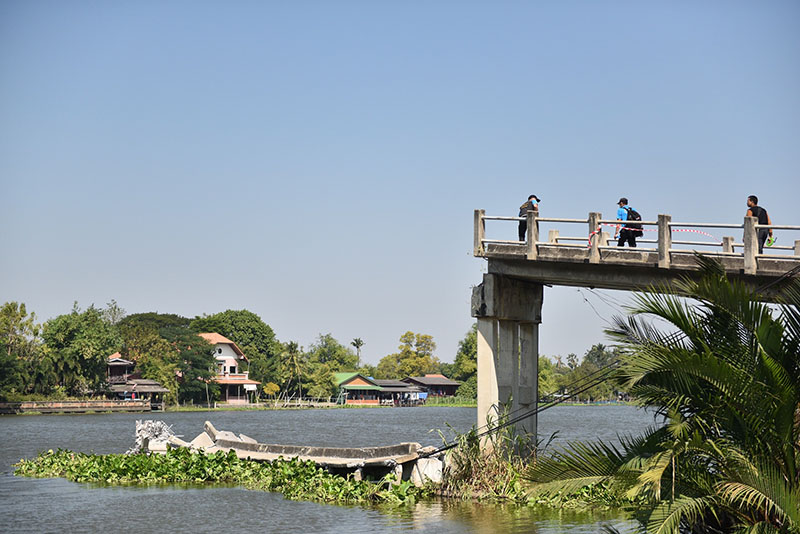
[219,350]
[233,369]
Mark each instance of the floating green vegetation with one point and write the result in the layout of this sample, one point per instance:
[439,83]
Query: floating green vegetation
[295,479]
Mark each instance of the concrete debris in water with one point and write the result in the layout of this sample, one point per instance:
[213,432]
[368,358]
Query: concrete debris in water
[151,436]
[402,459]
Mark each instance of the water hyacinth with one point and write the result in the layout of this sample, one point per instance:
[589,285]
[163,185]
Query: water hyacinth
[294,479]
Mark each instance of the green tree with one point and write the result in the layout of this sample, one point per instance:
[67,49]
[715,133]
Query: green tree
[726,378]
[547,383]
[325,357]
[327,350]
[292,369]
[196,365]
[466,361]
[415,358]
[79,344]
[19,348]
[154,357]
[155,321]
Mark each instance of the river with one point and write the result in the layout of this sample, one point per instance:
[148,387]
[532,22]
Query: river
[56,505]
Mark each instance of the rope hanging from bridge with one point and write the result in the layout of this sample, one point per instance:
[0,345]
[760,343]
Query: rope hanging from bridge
[581,385]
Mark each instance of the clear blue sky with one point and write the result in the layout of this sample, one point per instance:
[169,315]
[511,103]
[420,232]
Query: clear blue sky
[319,162]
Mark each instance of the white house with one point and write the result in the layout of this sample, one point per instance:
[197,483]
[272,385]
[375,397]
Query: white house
[232,371]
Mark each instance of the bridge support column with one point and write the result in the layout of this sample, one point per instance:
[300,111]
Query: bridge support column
[508,312]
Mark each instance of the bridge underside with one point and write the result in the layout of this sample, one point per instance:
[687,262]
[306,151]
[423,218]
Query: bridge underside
[625,270]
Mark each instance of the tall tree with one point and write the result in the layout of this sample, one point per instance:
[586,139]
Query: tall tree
[358,343]
[154,357]
[196,365]
[292,368]
[466,361]
[19,347]
[415,357]
[79,344]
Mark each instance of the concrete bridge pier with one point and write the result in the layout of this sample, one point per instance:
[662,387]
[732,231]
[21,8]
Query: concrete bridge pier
[509,312]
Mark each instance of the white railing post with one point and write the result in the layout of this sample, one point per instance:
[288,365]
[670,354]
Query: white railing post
[797,247]
[480,233]
[533,234]
[727,244]
[552,236]
[750,245]
[664,241]
[594,231]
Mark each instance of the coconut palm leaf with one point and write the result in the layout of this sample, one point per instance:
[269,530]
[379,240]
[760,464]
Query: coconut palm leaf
[667,517]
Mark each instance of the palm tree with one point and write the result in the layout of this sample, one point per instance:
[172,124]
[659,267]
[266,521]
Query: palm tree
[726,379]
[358,343]
[292,358]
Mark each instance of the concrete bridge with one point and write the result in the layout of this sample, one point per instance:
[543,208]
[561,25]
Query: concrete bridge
[508,302]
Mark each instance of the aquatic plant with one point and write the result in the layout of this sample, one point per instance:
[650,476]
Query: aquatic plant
[295,479]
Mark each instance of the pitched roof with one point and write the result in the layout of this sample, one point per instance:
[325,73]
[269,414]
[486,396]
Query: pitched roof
[217,339]
[433,380]
[117,359]
[344,380]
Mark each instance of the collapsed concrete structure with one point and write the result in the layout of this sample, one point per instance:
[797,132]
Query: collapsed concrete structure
[404,459]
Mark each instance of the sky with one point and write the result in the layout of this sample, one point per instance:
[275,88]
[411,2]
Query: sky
[318,163]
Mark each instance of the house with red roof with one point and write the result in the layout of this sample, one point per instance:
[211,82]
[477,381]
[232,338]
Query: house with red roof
[232,370]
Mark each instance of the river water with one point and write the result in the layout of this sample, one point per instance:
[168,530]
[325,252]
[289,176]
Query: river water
[56,505]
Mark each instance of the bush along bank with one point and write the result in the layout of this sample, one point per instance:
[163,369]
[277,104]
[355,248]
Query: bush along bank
[294,479]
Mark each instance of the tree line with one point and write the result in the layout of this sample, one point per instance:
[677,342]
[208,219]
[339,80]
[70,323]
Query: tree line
[66,356]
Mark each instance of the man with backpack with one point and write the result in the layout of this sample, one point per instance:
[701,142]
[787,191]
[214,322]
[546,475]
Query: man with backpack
[630,231]
[754,210]
[532,204]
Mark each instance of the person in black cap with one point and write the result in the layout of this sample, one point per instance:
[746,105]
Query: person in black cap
[532,204]
[624,234]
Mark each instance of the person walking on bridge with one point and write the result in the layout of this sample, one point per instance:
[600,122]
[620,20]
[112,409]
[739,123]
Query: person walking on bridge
[625,233]
[532,204]
[754,210]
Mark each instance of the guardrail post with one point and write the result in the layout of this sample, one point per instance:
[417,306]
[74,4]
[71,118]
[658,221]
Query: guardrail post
[664,241]
[750,245]
[552,236]
[727,244]
[605,237]
[594,231]
[480,233]
[797,247]
[533,234]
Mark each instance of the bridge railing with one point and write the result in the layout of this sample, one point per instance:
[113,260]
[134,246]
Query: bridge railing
[668,240]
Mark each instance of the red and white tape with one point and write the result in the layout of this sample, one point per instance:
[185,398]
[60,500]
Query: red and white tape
[622,223]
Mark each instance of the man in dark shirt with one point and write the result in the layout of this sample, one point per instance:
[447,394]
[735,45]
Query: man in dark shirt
[754,210]
[532,204]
